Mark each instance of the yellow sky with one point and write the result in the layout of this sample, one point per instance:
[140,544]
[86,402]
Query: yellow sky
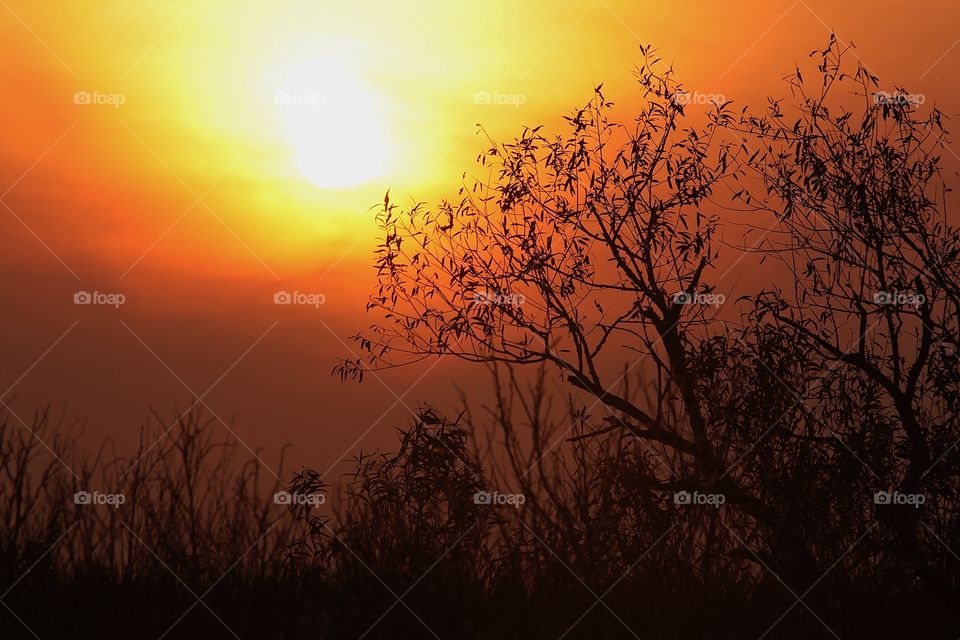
[198,80]
[189,197]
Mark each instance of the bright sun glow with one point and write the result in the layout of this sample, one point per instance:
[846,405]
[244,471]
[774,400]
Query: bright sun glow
[331,117]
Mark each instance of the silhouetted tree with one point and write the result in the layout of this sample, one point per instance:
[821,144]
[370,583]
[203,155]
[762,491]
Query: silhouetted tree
[856,186]
[586,249]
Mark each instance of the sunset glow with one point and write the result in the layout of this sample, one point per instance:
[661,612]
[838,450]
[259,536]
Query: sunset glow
[199,157]
[333,126]
[655,298]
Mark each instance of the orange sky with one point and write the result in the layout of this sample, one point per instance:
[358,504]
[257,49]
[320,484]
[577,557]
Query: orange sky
[188,197]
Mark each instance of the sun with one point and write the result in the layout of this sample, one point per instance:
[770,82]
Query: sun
[333,124]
